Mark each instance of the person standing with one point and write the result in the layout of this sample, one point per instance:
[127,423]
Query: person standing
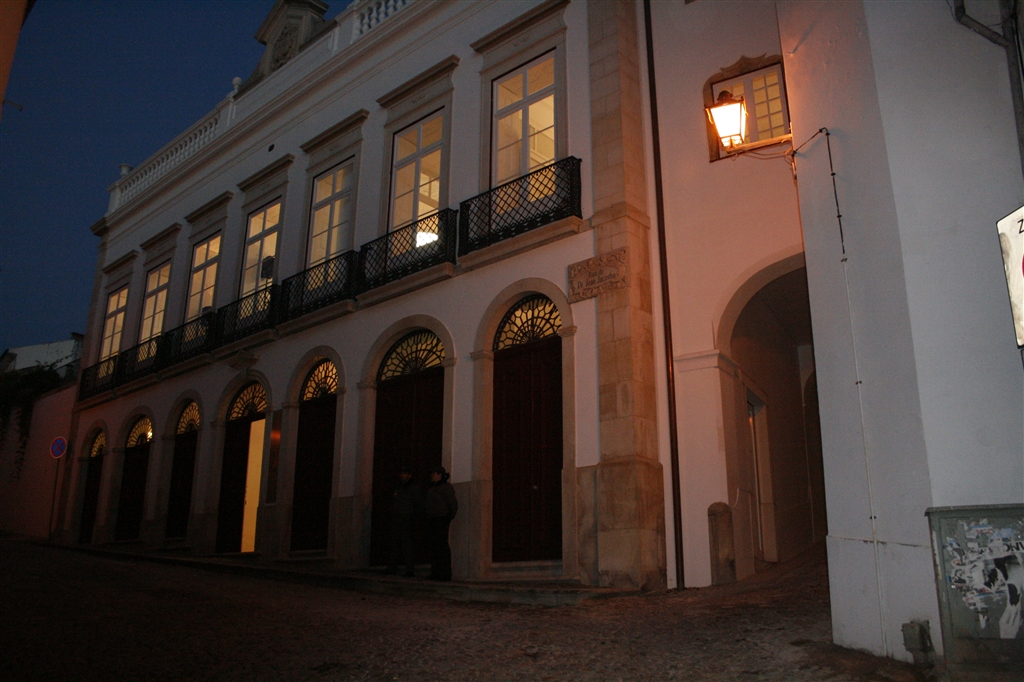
[441,507]
[406,506]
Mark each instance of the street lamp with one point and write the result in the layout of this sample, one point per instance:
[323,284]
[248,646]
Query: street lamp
[729,116]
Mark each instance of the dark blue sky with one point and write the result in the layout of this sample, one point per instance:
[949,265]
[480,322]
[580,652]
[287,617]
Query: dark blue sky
[102,83]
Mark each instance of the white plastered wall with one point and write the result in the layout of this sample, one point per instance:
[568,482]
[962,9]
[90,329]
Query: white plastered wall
[919,382]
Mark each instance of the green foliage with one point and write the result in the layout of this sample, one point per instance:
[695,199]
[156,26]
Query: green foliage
[18,393]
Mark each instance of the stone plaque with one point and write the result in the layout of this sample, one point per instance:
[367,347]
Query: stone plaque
[596,275]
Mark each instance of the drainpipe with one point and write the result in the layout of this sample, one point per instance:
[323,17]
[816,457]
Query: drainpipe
[1009,40]
[666,311]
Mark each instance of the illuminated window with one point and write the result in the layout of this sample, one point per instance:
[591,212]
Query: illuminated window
[141,433]
[156,301]
[330,230]
[203,282]
[534,318]
[415,352]
[260,248]
[114,323]
[416,180]
[761,84]
[524,119]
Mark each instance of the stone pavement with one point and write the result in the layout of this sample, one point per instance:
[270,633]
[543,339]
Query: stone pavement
[67,615]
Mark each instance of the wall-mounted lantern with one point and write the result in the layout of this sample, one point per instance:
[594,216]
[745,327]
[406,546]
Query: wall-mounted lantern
[729,116]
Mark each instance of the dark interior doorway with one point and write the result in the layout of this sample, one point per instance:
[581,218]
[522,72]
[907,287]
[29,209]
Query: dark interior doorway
[133,481]
[527,434]
[179,500]
[246,417]
[91,494]
[314,458]
[408,431]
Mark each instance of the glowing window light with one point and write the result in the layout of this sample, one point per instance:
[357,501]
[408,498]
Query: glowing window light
[729,117]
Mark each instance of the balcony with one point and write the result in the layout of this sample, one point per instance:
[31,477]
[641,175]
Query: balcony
[545,196]
[319,286]
[400,253]
[545,204]
[247,315]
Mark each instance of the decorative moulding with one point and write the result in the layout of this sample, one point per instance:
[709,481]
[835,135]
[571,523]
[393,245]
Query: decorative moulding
[741,66]
[210,212]
[594,276]
[335,132]
[517,25]
[520,243]
[267,173]
[435,73]
[163,243]
[120,269]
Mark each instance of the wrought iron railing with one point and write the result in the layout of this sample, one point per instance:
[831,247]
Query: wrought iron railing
[138,361]
[415,247]
[528,202]
[98,378]
[189,340]
[319,286]
[248,315]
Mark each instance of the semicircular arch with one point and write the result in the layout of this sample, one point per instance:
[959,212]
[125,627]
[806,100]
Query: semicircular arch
[305,364]
[746,285]
[509,297]
[399,329]
[230,391]
[180,403]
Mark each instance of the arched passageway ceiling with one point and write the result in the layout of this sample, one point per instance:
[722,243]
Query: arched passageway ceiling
[786,297]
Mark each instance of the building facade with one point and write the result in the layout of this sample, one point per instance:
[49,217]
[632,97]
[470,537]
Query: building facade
[504,238]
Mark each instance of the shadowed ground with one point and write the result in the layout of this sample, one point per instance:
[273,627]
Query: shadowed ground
[74,616]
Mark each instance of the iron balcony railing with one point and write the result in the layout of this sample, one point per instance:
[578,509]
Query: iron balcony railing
[415,247]
[319,286]
[137,362]
[528,202]
[189,340]
[98,378]
[248,315]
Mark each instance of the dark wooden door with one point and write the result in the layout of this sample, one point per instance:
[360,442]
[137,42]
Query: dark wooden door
[409,424]
[231,509]
[93,472]
[179,500]
[314,466]
[133,492]
[527,452]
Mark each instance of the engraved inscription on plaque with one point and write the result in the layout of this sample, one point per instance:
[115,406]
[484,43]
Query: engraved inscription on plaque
[596,275]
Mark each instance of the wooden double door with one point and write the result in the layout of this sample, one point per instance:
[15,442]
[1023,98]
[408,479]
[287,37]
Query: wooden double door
[527,452]
[314,466]
[133,492]
[407,434]
[179,499]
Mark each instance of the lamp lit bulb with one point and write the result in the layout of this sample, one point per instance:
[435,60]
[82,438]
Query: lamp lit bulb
[729,117]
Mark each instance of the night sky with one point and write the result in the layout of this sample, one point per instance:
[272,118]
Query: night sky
[101,83]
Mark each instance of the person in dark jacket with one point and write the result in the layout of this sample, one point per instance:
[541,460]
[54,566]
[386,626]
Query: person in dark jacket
[441,507]
[406,507]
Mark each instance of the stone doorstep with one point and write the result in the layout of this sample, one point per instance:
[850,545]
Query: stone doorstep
[529,593]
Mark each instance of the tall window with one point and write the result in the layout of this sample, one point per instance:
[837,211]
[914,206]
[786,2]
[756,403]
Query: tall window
[524,119]
[260,248]
[156,301]
[416,183]
[203,283]
[332,214]
[117,302]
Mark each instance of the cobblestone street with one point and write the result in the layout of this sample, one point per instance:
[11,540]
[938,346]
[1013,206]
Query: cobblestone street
[74,616]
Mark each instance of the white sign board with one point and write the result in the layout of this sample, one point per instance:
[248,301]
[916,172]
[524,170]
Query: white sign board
[1011,241]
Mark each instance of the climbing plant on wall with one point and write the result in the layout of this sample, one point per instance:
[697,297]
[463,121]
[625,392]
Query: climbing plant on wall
[18,393]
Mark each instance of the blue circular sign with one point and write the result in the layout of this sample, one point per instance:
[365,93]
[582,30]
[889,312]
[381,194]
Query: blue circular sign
[58,447]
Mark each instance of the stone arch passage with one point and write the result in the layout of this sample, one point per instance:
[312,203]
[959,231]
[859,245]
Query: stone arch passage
[314,458]
[241,469]
[527,433]
[179,499]
[91,496]
[773,489]
[409,427]
[133,480]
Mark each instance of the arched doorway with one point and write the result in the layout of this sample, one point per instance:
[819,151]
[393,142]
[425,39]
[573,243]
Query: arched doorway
[409,427]
[179,500]
[314,458]
[527,433]
[133,480]
[241,470]
[778,487]
[91,496]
